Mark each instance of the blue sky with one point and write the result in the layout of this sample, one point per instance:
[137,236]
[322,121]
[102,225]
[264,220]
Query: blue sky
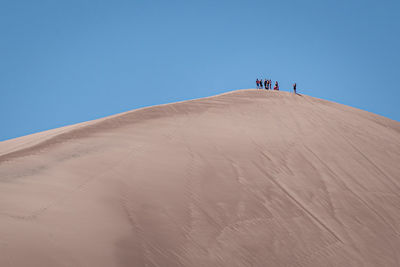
[64,62]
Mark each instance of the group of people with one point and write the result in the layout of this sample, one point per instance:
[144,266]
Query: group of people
[267,84]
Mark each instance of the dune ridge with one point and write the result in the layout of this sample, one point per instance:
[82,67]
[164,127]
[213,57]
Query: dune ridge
[37,140]
[245,178]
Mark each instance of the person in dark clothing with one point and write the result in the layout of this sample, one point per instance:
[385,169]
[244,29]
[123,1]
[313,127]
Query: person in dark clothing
[294,88]
[265,84]
[270,84]
[261,84]
[276,87]
[258,83]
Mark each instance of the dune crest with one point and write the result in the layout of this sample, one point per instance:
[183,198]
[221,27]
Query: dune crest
[246,178]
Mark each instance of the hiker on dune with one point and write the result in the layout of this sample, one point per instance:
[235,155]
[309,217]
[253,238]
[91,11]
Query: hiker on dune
[294,88]
[276,87]
[258,83]
[265,83]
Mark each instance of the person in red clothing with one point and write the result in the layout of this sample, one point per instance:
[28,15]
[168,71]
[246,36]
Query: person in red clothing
[276,87]
[258,83]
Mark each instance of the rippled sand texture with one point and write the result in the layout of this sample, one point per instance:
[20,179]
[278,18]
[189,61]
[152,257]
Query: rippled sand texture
[248,178]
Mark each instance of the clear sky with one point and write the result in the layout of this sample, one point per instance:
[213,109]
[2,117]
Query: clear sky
[68,61]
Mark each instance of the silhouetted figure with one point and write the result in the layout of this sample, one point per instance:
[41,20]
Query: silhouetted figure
[261,84]
[270,84]
[294,88]
[266,84]
[276,87]
[258,83]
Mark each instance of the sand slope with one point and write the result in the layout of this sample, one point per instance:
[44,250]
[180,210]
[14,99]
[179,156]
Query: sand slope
[248,178]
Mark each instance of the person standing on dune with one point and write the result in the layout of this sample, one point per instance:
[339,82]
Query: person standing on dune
[265,83]
[294,88]
[270,84]
[261,84]
[258,83]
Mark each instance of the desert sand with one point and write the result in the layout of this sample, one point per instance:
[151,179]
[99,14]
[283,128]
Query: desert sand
[247,178]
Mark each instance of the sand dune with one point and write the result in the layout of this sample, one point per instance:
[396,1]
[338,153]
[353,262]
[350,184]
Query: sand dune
[248,178]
